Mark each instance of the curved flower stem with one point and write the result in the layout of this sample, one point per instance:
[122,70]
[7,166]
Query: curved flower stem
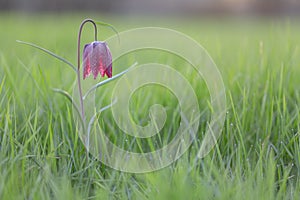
[78,62]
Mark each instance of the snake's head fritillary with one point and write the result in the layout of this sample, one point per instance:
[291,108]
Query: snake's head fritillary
[97,59]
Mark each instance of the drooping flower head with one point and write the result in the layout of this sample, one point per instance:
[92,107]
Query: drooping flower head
[97,59]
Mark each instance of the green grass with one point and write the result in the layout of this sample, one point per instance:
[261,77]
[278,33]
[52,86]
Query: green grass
[256,157]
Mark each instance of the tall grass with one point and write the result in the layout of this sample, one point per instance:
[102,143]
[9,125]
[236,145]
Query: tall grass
[256,157]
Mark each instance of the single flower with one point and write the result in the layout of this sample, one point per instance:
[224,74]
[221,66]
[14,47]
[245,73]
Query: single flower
[97,59]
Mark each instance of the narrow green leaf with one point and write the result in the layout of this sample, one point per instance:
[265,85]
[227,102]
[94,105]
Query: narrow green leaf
[98,112]
[108,80]
[49,52]
[68,96]
[110,26]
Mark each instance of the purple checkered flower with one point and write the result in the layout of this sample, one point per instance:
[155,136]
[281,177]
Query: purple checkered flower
[97,59]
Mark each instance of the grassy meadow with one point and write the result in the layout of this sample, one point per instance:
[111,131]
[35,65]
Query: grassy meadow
[256,157]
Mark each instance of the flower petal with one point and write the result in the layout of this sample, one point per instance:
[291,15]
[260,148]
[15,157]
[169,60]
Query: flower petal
[86,60]
[108,70]
[97,59]
[105,66]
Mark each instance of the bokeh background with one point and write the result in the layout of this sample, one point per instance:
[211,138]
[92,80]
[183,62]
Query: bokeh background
[254,43]
[178,7]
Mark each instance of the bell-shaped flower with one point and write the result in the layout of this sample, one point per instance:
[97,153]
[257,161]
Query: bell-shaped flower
[97,59]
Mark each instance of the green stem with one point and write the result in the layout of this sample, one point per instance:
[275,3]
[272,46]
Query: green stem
[78,62]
